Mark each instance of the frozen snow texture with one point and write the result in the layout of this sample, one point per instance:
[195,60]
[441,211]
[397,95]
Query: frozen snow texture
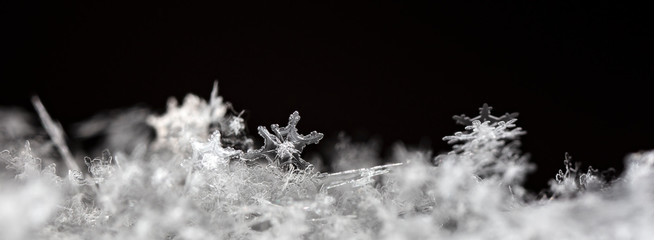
[198,180]
[100,168]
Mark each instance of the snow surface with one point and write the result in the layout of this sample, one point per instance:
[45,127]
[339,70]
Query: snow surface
[201,178]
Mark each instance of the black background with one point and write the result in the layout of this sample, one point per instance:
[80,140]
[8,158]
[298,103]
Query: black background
[576,72]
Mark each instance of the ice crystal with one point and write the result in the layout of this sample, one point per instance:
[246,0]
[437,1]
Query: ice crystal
[26,166]
[357,177]
[484,115]
[480,131]
[191,120]
[492,147]
[56,133]
[212,155]
[486,136]
[572,181]
[283,148]
[100,168]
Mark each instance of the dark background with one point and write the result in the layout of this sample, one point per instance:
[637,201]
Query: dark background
[576,72]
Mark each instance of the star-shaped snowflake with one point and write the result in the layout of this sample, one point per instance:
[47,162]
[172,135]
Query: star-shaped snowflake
[484,115]
[284,146]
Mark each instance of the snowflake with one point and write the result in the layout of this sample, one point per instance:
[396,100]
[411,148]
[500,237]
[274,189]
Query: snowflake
[191,120]
[486,127]
[212,155]
[484,115]
[285,145]
[233,132]
[77,177]
[479,131]
[100,168]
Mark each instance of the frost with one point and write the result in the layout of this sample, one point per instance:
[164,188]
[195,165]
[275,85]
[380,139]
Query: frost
[481,133]
[492,147]
[283,148]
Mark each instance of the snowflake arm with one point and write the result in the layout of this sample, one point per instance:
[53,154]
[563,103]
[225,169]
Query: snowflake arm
[484,115]
[211,154]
